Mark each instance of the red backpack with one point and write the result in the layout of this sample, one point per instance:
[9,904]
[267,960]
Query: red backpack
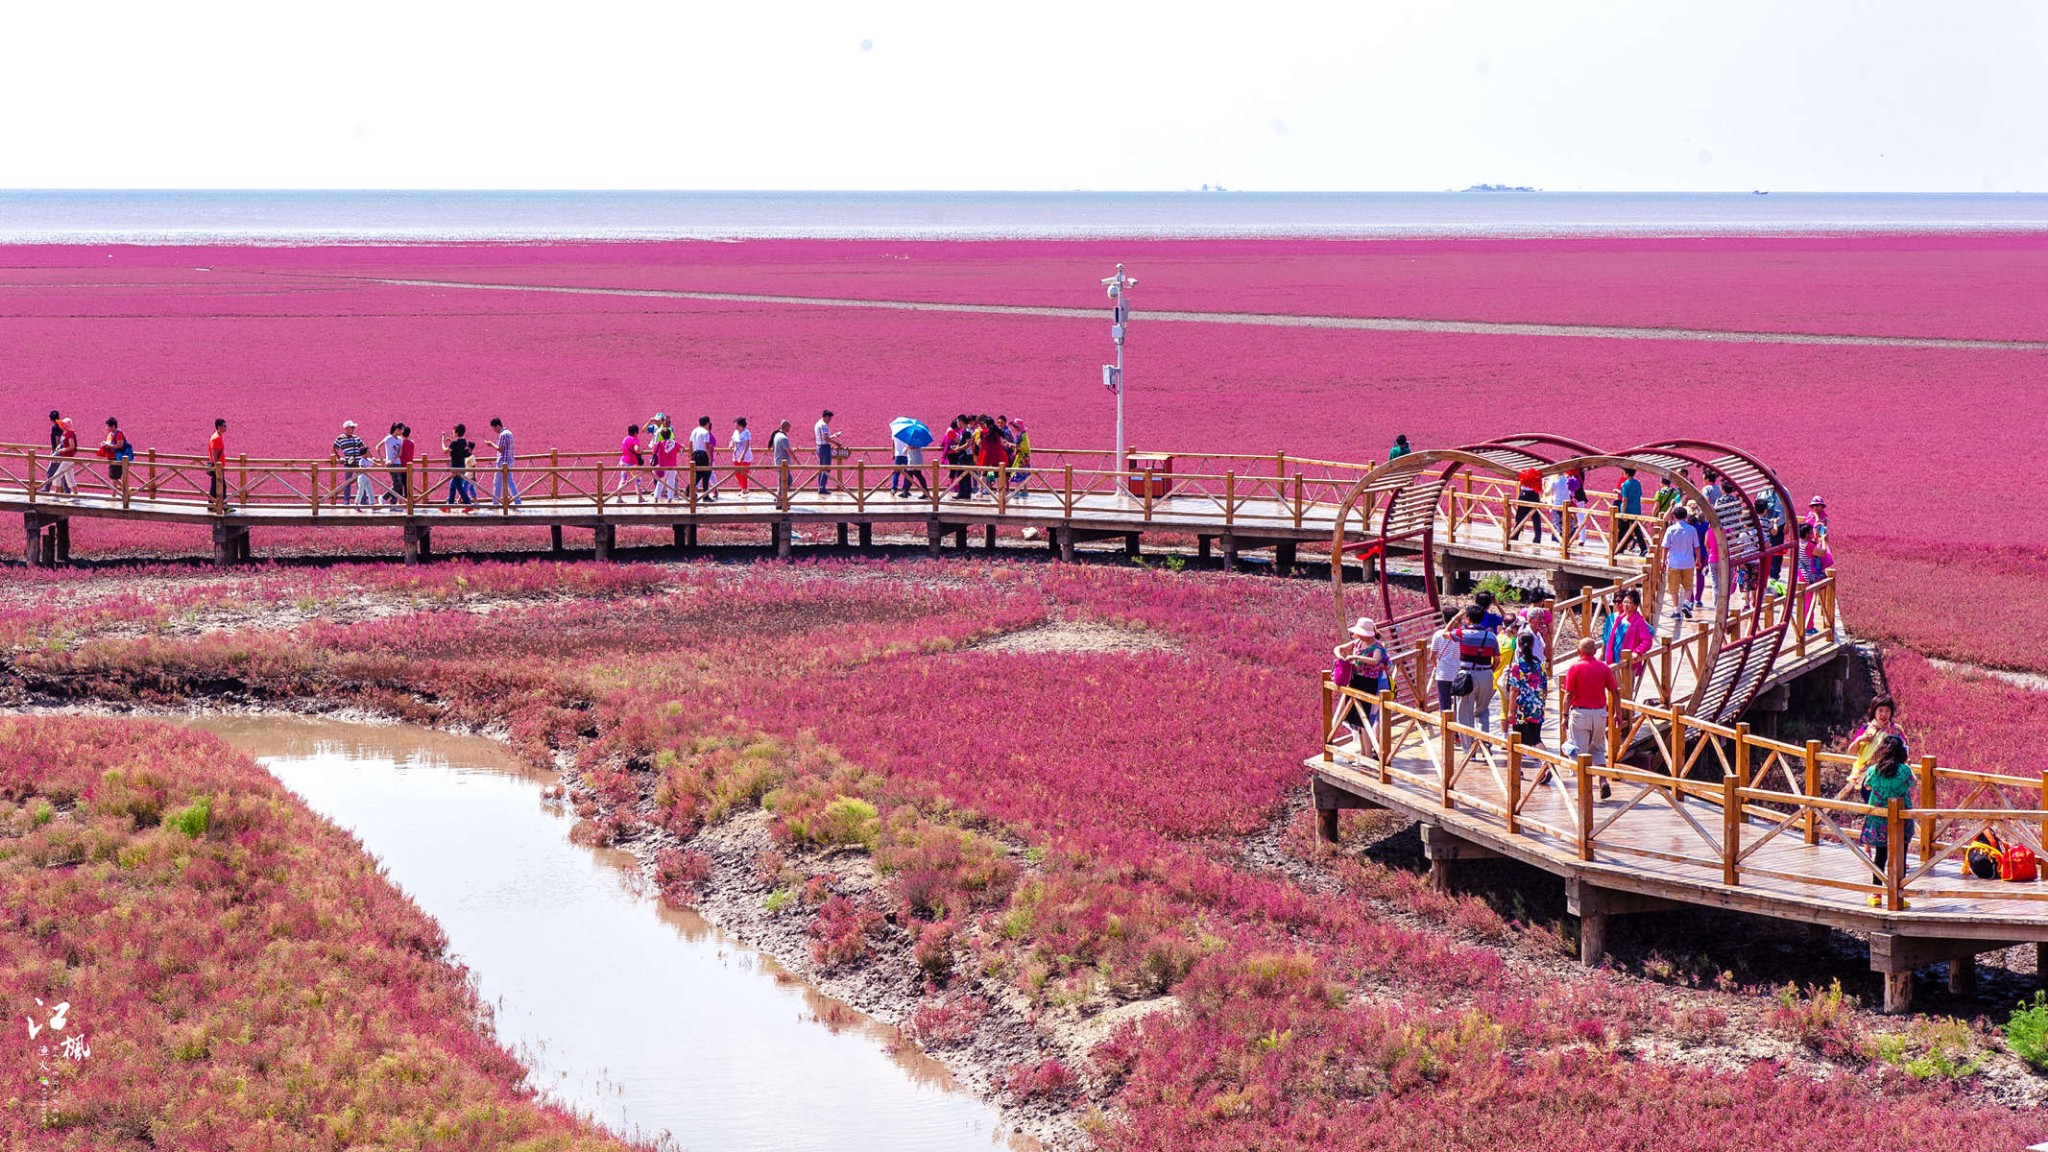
[2017,863]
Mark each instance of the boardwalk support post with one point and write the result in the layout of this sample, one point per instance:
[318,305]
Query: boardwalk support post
[555,538]
[1131,544]
[867,535]
[32,527]
[1594,905]
[842,533]
[1331,800]
[1283,557]
[602,538]
[1229,552]
[784,534]
[1895,957]
[415,546]
[1444,850]
[935,537]
[1066,539]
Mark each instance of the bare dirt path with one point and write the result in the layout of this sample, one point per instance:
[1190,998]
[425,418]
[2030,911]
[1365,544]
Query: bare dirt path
[1272,320]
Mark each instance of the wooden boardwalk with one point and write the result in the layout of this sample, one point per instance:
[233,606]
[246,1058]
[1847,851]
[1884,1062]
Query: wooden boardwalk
[1708,814]
[1704,815]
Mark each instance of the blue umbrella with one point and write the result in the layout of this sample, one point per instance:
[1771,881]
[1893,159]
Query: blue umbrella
[911,431]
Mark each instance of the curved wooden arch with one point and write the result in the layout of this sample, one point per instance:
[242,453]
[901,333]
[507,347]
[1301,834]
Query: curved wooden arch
[1397,503]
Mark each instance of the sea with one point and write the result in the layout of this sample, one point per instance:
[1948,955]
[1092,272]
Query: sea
[330,217]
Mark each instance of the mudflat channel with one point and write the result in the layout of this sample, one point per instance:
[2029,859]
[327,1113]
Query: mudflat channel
[644,1017]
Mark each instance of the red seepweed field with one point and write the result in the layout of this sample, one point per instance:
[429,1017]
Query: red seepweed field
[1323,1005]
[1915,447]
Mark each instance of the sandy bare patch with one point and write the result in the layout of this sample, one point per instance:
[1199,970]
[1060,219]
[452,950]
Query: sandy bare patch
[1068,636]
[2030,680]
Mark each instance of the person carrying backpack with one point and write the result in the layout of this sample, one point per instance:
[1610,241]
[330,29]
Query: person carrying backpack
[1478,644]
[116,449]
[1887,780]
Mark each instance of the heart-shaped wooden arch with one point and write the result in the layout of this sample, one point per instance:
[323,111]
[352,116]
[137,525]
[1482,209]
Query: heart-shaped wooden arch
[1397,506]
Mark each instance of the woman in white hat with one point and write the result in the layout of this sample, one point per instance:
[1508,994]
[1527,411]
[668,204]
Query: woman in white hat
[1369,667]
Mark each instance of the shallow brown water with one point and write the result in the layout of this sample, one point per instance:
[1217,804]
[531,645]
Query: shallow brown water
[646,1018]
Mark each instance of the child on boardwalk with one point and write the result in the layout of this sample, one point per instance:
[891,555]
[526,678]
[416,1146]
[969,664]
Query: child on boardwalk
[1887,780]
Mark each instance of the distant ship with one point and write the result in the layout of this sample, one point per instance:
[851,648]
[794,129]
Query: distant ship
[1758,192]
[1502,188]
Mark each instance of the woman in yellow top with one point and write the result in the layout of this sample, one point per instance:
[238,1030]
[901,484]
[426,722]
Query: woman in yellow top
[1882,723]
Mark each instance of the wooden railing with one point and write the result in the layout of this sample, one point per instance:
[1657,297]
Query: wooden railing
[1730,792]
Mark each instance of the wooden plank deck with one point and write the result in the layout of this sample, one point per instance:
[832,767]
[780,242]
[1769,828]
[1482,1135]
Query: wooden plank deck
[1666,841]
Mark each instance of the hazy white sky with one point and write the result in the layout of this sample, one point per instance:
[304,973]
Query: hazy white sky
[1874,95]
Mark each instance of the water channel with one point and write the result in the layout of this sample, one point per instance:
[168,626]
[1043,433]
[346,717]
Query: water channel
[646,1018]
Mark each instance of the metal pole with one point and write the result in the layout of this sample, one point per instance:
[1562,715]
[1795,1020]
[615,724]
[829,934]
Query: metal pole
[1119,287]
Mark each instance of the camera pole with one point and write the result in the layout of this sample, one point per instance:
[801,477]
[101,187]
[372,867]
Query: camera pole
[1119,287]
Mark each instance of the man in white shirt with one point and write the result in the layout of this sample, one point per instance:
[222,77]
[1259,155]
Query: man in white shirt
[391,449]
[1444,647]
[827,441]
[1681,556]
[701,444]
[1557,492]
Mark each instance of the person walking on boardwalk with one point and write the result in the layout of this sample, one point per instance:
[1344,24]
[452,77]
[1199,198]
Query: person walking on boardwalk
[1681,556]
[1629,499]
[407,453]
[1525,687]
[952,446]
[828,442]
[1020,459]
[460,448]
[703,442]
[782,454]
[56,438]
[1625,635]
[1817,516]
[667,456]
[389,450]
[1399,449]
[1815,559]
[503,490]
[742,452]
[1478,649]
[909,461]
[1366,667]
[1443,651]
[1590,689]
[64,479]
[1887,779]
[217,464]
[1528,502]
[991,454]
[1557,491]
[117,451]
[1668,495]
[632,458]
[348,453]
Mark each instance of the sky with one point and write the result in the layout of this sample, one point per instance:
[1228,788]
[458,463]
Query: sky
[1813,95]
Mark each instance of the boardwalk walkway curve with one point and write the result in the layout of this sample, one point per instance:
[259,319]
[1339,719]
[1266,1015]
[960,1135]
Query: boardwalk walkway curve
[1703,811]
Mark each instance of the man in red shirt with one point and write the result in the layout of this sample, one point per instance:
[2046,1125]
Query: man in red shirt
[1589,689]
[1528,495]
[217,465]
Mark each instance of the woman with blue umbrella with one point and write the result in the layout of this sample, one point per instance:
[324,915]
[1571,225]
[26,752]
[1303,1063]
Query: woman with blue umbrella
[909,438]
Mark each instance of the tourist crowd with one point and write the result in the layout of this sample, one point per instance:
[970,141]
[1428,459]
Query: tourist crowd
[982,455]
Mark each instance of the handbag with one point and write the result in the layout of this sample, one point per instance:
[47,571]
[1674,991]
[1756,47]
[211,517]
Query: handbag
[1340,673]
[1462,686]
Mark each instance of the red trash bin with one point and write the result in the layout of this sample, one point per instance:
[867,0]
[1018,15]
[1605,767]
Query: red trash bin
[1149,475]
